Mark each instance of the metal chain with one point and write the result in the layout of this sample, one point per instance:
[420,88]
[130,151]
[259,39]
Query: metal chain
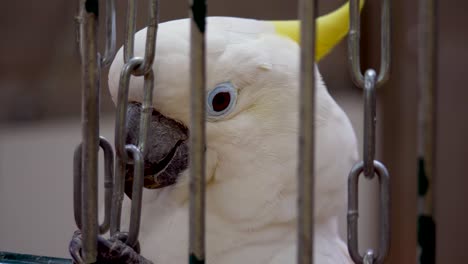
[111,33]
[108,183]
[85,159]
[353,44]
[151,32]
[370,106]
[369,257]
[86,154]
[126,153]
[369,166]
[353,212]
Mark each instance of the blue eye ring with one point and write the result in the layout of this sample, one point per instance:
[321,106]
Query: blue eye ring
[221,100]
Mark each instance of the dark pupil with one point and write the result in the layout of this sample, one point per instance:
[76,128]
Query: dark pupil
[221,101]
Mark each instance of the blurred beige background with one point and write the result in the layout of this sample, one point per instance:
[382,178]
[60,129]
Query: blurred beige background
[40,118]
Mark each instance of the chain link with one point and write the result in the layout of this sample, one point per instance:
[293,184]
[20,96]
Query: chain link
[354,47]
[128,153]
[108,184]
[369,257]
[135,212]
[369,166]
[353,212]
[151,33]
[111,33]
[370,79]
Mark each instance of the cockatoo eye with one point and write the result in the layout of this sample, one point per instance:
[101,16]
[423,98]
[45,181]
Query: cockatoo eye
[221,100]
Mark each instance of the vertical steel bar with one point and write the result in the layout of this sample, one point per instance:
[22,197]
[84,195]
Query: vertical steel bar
[427,79]
[89,13]
[197,132]
[426,116]
[307,10]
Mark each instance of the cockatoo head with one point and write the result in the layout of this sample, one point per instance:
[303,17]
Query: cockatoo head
[252,95]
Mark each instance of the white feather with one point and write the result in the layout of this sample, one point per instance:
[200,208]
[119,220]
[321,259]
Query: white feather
[251,154]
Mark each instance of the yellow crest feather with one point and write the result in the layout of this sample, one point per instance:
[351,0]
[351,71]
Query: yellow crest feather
[331,28]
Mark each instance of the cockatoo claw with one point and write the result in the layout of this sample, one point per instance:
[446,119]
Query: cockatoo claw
[109,251]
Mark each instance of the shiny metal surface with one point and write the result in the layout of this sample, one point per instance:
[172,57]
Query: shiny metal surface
[353,212]
[108,184]
[90,70]
[197,132]
[354,46]
[305,202]
[370,79]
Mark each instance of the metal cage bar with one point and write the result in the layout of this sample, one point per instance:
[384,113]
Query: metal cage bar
[90,68]
[197,132]
[426,151]
[85,191]
[86,156]
[305,202]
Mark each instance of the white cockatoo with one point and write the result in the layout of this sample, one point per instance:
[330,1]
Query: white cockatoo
[252,111]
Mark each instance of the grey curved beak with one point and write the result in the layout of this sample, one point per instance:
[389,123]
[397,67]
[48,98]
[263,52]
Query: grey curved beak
[166,152]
